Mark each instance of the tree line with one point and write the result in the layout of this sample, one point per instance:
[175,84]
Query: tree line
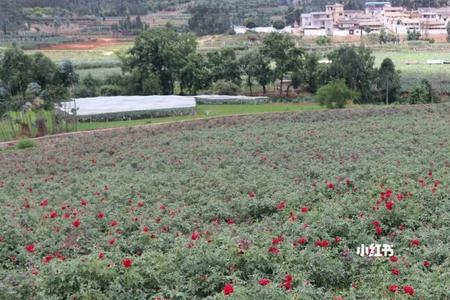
[163,61]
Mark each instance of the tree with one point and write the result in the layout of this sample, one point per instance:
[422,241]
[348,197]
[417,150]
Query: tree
[263,72]
[159,54]
[249,23]
[281,49]
[356,66]
[293,15]
[43,69]
[335,94]
[223,65]
[194,75]
[311,71]
[413,35]
[279,24]
[15,71]
[249,67]
[388,81]
[65,75]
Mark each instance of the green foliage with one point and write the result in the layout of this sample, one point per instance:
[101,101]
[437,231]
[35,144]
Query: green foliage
[223,65]
[278,24]
[423,93]
[25,143]
[323,40]
[155,60]
[356,66]
[222,87]
[335,94]
[388,81]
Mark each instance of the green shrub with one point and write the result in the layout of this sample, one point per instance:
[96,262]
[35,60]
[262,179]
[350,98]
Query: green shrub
[25,143]
[335,94]
[223,87]
[110,90]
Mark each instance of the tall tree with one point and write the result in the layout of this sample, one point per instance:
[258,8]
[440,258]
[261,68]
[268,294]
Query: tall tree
[223,65]
[281,49]
[388,81]
[15,71]
[159,53]
[356,66]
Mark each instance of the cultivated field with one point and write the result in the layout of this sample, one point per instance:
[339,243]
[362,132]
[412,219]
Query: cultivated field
[275,205]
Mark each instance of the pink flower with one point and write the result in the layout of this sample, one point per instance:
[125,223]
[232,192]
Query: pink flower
[44,203]
[277,240]
[113,223]
[83,202]
[251,195]
[47,259]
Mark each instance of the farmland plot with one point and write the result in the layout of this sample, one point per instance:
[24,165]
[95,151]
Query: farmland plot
[256,207]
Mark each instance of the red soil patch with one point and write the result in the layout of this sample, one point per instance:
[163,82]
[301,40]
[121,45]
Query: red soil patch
[85,45]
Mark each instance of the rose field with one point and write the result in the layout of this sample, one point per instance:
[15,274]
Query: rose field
[269,206]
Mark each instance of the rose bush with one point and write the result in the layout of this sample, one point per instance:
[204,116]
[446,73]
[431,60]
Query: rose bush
[256,207]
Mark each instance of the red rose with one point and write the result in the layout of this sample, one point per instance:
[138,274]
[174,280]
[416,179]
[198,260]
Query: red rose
[30,248]
[415,243]
[228,289]
[390,205]
[101,255]
[76,223]
[407,289]
[330,185]
[376,223]
[426,264]
[195,235]
[393,288]
[302,241]
[230,221]
[112,241]
[324,243]
[53,214]
[287,282]
[281,205]
[100,215]
[140,204]
[66,216]
[277,240]
[83,202]
[304,210]
[274,250]
[113,223]
[393,258]
[337,240]
[264,281]
[378,230]
[251,194]
[127,262]
[47,259]
[400,197]
[145,229]
[395,272]
[44,202]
